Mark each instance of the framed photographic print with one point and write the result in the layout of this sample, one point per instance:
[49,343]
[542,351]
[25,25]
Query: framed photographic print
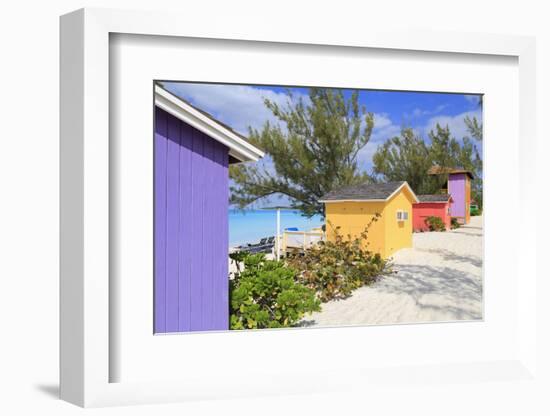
[236,209]
[380,222]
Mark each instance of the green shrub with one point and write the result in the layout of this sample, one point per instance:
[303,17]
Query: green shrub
[333,269]
[266,295]
[475,212]
[435,223]
[454,223]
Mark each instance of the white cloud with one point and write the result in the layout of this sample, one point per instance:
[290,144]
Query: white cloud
[384,128]
[364,158]
[239,106]
[418,112]
[456,123]
[381,120]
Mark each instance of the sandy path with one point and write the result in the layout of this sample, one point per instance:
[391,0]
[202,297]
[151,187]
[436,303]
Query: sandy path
[439,279]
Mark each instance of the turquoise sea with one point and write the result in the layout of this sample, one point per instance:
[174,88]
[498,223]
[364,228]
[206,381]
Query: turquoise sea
[252,225]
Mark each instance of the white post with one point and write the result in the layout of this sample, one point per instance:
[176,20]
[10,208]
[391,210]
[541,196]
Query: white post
[278,241]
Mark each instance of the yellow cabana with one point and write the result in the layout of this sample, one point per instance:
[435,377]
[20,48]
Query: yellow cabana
[353,207]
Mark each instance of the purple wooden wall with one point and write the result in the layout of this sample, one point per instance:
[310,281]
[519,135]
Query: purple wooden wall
[457,190]
[191,228]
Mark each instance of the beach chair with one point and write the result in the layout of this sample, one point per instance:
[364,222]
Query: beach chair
[268,247]
[265,246]
[256,248]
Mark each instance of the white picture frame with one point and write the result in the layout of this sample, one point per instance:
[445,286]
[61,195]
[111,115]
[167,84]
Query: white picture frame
[86,335]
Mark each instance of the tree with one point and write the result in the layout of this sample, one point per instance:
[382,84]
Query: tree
[449,152]
[475,128]
[312,150]
[409,157]
[406,157]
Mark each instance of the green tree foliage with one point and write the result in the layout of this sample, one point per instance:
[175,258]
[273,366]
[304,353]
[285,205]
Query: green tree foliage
[408,157]
[266,295]
[475,128]
[313,150]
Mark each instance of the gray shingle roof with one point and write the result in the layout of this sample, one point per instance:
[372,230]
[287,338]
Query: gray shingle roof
[434,198]
[363,192]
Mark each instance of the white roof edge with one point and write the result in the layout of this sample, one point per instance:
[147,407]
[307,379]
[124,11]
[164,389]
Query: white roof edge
[375,200]
[239,148]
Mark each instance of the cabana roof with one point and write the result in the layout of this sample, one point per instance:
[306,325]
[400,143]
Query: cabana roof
[439,170]
[240,149]
[441,198]
[367,192]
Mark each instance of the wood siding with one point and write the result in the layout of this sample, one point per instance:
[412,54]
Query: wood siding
[468,199]
[190,227]
[423,210]
[398,233]
[351,218]
[459,189]
[385,236]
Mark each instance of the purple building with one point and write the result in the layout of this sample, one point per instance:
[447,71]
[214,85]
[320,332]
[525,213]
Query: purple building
[459,187]
[192,153]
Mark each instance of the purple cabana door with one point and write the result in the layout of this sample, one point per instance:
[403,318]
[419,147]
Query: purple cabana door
[191,228]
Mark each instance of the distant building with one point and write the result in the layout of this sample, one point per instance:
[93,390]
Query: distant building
[459,187]
[438,205]
[349,210]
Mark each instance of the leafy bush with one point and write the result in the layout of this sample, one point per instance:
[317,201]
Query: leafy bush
[333,269]
[475,212]
[454,223]
[435,223]
[266,295]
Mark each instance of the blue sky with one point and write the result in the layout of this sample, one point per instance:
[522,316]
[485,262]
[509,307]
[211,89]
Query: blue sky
[241,106]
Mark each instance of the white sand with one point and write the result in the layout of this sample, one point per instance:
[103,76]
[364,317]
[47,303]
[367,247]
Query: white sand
[439,279]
